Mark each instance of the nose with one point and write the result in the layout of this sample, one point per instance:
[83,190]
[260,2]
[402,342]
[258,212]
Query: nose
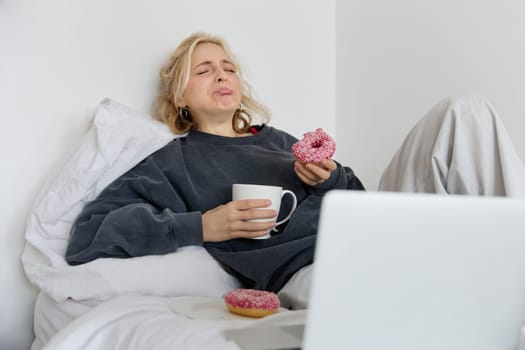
[221,76]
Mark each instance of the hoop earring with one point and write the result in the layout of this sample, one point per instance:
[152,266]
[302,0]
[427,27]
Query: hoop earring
[184,113]
[240,110]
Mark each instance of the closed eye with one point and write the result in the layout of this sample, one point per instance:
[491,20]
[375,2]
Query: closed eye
[228,67]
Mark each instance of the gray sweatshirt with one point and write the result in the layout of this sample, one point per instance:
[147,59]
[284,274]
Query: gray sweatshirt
[156,207]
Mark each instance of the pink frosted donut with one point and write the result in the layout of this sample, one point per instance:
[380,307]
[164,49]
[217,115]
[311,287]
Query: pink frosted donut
[314,147]
[252,302]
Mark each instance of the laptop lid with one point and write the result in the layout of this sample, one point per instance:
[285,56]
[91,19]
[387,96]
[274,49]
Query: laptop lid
[417,271]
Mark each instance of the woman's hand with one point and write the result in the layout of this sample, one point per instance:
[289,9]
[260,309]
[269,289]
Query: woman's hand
[230,220]
[314,173]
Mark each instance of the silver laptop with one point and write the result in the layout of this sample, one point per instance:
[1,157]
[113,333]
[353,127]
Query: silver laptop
[417,271]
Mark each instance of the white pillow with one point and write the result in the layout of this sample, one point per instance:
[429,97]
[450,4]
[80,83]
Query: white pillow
[119,138]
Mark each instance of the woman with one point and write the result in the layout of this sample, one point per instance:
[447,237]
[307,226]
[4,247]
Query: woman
[181,194]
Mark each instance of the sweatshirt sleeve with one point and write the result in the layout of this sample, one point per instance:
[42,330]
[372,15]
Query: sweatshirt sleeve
[341,178]
[138,214]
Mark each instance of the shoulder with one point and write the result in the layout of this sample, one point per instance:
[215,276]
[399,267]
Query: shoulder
[279,133]
[278,138]
[159,157]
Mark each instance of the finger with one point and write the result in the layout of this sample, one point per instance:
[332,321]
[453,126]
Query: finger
[319,173]
[306,172]
[252,214]
[304,178]
[303,169]
[258,234]
[249,227]
[252,224]
[328,164]
[245,204]
[246,234]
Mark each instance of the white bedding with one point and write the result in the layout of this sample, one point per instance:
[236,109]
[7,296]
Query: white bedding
[136,322]
[140,322]
[121,303]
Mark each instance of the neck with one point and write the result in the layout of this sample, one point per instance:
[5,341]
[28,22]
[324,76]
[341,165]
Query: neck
[218,125]
[221,130]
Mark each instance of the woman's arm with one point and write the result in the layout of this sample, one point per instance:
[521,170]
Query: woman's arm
[132,230]
[324,176]
[327,175]
[139,214]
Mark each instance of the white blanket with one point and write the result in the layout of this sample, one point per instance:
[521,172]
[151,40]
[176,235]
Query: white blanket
[137,322]
[460,147]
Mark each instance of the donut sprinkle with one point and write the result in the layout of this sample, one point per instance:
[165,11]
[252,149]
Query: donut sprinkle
[314,147]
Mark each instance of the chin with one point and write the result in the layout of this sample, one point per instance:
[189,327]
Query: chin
[228,104]
[230,108]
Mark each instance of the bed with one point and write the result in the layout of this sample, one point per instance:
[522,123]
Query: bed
[168,301]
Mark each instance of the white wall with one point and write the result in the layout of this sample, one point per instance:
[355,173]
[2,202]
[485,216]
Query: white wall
[395,59]
[60,58]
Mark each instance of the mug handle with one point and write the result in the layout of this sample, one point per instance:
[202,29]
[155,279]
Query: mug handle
[294,205]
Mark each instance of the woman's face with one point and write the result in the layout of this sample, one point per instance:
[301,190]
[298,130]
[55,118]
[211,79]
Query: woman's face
[214,87]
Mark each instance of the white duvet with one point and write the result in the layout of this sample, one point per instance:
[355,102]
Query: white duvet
[145,322]
[137,322]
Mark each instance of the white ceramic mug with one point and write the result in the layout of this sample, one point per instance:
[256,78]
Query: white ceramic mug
[273,193]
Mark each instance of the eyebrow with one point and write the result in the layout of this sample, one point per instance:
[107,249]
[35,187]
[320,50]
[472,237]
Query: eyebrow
[224,61]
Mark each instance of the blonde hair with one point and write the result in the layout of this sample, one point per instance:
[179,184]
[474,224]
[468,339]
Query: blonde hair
[174,77]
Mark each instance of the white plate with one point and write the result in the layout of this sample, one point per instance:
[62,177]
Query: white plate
[205,308]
